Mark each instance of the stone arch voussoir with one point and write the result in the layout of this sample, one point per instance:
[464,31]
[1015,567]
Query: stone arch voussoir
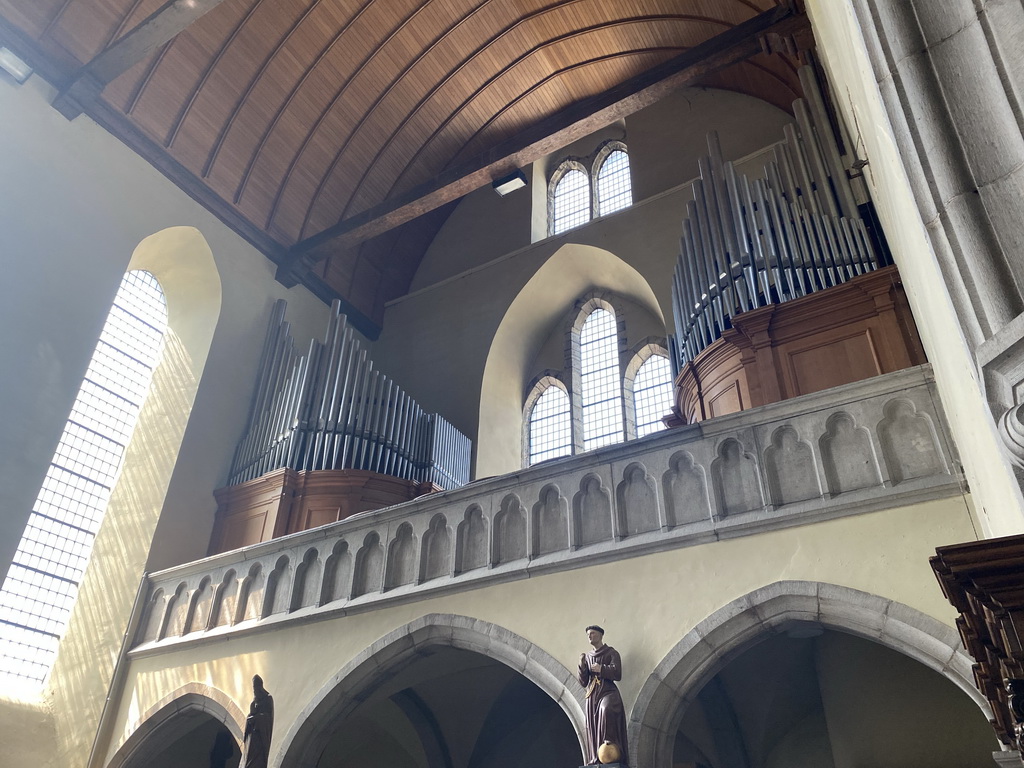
[302,744]
[193,696]
[735,627]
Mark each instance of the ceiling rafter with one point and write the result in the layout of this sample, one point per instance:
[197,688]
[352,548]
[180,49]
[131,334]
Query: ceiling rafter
[161,26]
[604,26]
[222,51]
[728,48]
[283,108]
[337,99]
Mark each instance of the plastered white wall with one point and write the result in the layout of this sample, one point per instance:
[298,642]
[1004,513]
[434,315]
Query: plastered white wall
[75,204]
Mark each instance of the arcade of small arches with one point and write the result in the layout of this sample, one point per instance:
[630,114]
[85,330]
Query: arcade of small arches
[794,673]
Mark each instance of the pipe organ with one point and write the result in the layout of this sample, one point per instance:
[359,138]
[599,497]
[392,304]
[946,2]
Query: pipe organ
[750,243]
[329,407]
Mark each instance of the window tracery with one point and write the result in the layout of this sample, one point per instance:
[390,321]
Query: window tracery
[599,399]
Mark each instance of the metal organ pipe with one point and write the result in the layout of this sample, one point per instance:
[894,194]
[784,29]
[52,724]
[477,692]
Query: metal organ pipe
[331,408]
[747,243]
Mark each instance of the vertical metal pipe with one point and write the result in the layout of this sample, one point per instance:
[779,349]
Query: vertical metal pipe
[757,236]
[823,127]
[846,232]
[745,254]
[803,175]
[865,243]
[705,245]
[784,162]
[816,159]
[704,298]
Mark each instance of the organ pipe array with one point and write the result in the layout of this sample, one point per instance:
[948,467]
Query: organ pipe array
[330,408]
[747,244]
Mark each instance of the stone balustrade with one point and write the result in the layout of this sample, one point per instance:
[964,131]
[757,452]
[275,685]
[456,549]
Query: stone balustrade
[875,444]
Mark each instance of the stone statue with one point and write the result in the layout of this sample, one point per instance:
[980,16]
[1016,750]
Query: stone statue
[606,717]
[259,726]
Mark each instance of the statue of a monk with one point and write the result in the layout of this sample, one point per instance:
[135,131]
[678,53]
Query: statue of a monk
[259,727]
[599,668]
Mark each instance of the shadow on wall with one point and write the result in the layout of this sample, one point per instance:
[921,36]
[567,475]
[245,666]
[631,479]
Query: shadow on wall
[570,272]
[182,262]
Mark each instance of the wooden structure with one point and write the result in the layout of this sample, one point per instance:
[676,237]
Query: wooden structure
[853,331]
[318,129]
[984,580]
[797,229]
[286,501]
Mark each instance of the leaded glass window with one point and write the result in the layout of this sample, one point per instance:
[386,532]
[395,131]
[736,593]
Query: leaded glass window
[601,380]
[571,201]
[652,394]
[614,191]
[550,426]
[42,583]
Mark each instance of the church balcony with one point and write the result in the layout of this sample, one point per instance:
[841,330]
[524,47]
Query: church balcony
[880,443]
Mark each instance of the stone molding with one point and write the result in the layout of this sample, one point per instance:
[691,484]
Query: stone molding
[786,464]
[305,740]
[771,609]
[193,696]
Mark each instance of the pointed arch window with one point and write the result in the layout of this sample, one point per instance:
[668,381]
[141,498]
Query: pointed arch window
[41,586]
[582,188]
[614,189]
[570,200]
[652,394]
[550,424]
[600,380]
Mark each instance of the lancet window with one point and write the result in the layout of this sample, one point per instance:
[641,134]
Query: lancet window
[41,586]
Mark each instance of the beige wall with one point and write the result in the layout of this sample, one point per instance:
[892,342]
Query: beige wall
[438,339]
[75,205]
[845,57]
[884,553]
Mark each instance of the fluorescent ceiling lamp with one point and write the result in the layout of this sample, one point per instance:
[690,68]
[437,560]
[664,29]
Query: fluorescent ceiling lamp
[510,183]
[14,66]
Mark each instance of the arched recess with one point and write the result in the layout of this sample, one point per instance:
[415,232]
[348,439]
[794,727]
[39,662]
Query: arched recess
[163,722]
[737,626]
[304,742]
[571,271]
[183,263]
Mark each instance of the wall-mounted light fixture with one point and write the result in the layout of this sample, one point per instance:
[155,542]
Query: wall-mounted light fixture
[14,66]
[509,183]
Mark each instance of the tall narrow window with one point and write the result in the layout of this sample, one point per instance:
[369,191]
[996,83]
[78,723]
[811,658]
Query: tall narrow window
[601,382]
[42,583]
[652,394]
[570,201]
[550,426]
[614,190]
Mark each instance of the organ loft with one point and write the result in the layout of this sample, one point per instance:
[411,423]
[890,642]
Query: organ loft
[364,352]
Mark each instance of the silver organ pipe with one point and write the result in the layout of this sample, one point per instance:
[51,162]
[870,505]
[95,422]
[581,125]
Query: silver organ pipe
[329,407]
[747,243]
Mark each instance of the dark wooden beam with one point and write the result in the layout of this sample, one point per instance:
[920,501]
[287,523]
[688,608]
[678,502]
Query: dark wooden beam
[731,47]
[116,123]
[169,20]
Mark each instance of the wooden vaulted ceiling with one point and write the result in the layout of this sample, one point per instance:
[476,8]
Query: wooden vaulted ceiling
[336,134]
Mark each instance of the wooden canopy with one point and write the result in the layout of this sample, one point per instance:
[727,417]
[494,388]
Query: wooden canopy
[333,134]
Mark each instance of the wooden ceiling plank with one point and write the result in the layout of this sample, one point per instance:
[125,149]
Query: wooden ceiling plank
[726,49]
[161,26]
[506,68]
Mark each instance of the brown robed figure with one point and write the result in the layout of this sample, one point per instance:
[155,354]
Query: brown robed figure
[606,717]
[259,727]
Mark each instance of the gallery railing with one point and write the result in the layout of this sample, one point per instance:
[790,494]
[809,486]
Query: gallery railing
[330,408]
[750,243]
[873,445]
